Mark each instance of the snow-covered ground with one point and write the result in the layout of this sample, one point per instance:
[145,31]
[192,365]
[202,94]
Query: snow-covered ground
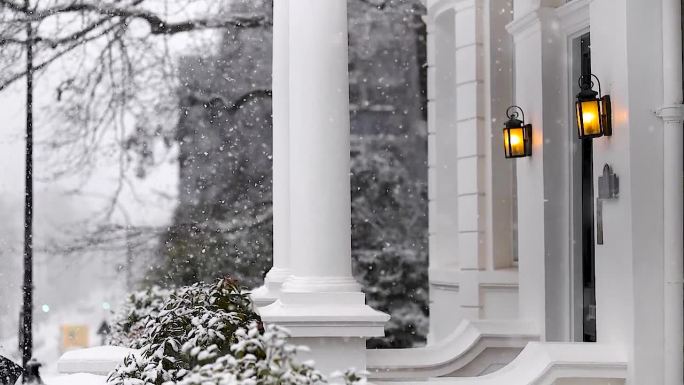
[75,379]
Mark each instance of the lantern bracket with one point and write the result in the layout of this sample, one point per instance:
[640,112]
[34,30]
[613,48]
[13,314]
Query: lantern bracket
[512,113]
[585,85]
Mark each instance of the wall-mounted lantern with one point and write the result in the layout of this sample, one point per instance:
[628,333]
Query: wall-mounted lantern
[517,135]
[593,110]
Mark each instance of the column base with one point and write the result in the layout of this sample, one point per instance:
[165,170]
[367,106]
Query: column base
[312,314]
[269,292]
[334,325]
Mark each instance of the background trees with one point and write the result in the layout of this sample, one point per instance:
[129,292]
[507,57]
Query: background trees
[122,98]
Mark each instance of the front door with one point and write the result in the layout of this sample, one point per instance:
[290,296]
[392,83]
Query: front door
[587,214]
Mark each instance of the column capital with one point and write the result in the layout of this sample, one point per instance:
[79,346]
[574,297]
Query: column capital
[671,113]
[532,21]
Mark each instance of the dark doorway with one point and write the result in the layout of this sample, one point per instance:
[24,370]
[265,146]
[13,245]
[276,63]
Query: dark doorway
[587,210]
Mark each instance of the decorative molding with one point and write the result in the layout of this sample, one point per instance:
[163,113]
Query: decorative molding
[530,23]
[436,7]
[269,292]
[672,113]
[311,314]
[574,16]
[460,349]
[450,278]
[546,363]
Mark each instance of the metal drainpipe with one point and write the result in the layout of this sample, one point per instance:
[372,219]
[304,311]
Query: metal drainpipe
[672,114]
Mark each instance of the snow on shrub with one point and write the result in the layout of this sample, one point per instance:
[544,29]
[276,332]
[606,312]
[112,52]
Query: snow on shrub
[261,359]
[193,326]
[129,323]
[207,335]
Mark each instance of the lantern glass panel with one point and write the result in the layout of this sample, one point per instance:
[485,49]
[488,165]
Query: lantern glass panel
[589,118]
[514,142]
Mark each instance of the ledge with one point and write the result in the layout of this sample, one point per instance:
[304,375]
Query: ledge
[451,277]
[673,113]
[452,354]
[98,360]
[325,315]
[546,363]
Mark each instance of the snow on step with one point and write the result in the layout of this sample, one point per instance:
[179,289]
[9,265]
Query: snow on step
[76,379]
[99,360]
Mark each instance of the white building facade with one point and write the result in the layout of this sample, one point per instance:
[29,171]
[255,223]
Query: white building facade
[535,277]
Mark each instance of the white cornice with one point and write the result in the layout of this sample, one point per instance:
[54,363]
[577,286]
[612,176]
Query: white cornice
[531,22]
[574,16]
[437,7]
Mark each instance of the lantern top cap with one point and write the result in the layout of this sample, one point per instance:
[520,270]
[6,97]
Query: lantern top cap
[513,115]
[586,85]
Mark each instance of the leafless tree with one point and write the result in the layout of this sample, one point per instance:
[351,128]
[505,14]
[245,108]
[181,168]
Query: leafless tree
[116,79]
[117,85]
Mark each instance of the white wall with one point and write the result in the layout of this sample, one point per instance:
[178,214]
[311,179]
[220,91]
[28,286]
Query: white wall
[627,56]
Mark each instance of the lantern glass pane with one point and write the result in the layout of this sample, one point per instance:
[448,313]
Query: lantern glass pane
[514,142]
[589,117]
[507,142]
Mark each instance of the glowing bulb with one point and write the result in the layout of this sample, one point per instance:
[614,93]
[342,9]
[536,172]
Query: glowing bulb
[45,308]
[588,117]
[106,306]
[515,140]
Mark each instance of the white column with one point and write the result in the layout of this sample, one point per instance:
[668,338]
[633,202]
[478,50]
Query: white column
[275,278]
[541,179]
[320,189]
[673,116]
[321,304]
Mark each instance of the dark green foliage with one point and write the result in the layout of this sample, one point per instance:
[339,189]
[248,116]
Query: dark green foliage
[389,239]
[129,321]
[207,335]
[194,326]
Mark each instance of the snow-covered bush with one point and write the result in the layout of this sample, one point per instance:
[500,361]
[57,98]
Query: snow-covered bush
[129,322]
[207,335]
[261,359]
[194,326]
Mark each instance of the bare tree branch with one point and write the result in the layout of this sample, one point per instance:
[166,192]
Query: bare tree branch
[157,24]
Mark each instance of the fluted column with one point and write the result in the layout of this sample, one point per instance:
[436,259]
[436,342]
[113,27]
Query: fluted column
[275,278]
[321,303]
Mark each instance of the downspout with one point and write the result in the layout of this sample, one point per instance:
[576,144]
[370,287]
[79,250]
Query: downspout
[672,114]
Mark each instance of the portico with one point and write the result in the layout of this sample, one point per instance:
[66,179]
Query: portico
[503,234]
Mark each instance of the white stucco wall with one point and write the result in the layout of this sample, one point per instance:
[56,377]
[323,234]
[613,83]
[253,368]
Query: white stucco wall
[627,56]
